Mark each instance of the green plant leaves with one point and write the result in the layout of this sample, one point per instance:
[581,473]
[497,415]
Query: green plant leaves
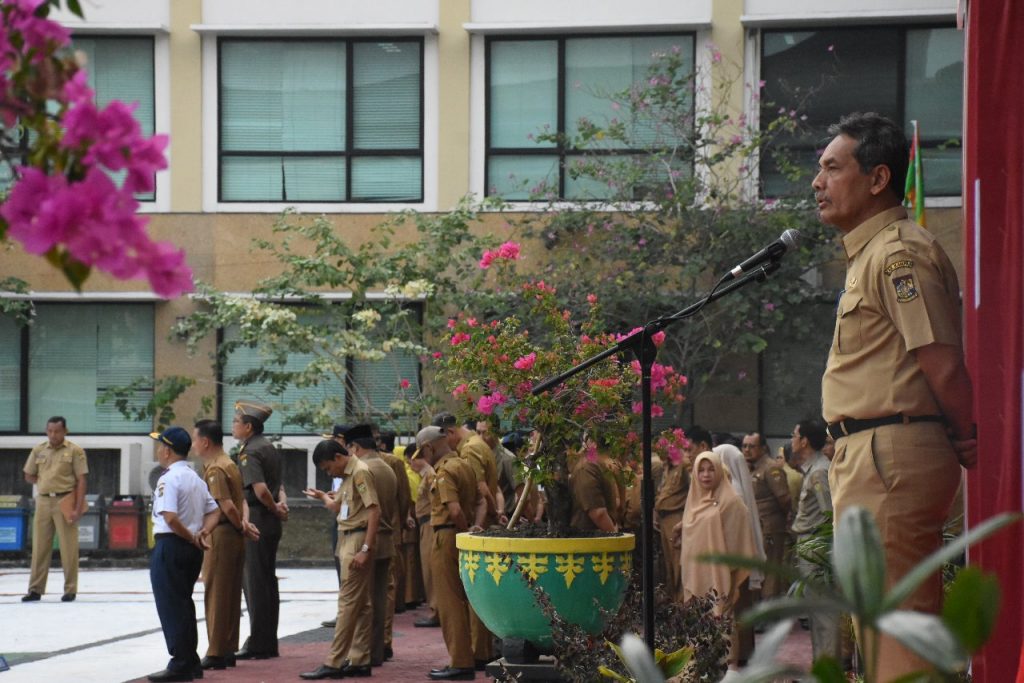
[971,607]
[859,562]
[926,635]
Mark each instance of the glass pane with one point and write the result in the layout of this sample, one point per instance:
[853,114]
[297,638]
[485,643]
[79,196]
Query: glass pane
[777,183]
[251,179]
[314,179]
[523,91]
[942,169]
[76,352]
[386,95]
[387,179]
[376,384]
[282,95]
[518,177]
[10,375]
[243,359]
[583,177]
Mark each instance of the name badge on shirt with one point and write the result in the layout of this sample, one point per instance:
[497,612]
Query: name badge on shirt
[344,511]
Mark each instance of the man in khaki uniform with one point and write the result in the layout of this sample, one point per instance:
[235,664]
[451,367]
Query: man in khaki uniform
[771,491]
[58,468]
[454,497]
[362,445]
[896,393]
[594,493]
[426,533]
[395,594]
[359,515]
[225,560]
[669,504]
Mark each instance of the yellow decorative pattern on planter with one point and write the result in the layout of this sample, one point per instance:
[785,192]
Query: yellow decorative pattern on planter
[604,565]
[533,565]
[569,566]
[496,566]
[472,564]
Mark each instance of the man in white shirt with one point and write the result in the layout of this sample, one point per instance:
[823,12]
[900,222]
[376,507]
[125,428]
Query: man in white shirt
[184,515]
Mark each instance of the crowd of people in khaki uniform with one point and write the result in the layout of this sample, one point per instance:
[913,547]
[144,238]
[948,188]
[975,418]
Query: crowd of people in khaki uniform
[897,405]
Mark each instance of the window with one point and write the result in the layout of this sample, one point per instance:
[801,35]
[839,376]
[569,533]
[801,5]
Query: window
[537,86]
[906,73]
[74,353]
[320,120]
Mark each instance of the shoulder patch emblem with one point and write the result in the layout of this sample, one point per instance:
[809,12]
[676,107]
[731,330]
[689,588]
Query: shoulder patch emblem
[361,486]
[906,290]
[243,459]
[896,265]
[160,491]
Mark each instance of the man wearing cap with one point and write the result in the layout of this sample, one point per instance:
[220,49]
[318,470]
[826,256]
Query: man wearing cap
[260,464]
[184,515]
[358,512]
[363,445]
[454,497]
[58,468]
[225,560]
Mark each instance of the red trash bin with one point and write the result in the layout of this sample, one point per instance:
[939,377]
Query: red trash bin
[123,516]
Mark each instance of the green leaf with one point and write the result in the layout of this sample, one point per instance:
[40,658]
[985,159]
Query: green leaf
[828,670]
[859,562]
[971,607]
[926,635]
[675,662]
[614,675]
[933,563]
[638,659]
[75,8]
[770,643]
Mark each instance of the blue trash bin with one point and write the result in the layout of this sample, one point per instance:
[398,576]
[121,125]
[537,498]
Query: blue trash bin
[13,522]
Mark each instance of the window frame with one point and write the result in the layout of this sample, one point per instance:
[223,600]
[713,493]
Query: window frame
[901,28]
[559,150]
[350,152]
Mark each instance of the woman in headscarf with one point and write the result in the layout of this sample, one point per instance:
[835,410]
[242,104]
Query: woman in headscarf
[716,520]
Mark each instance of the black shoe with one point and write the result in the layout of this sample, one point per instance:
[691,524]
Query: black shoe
[245,653]
[323,672]
[197,671]
[427,622]
[214,662]
[389,653]
[481,664]
[67,597]
[168,675]
[355,670]
[31,596]
[329,624]
[451,674]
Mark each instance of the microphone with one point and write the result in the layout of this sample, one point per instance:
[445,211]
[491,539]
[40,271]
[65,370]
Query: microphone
[787,240]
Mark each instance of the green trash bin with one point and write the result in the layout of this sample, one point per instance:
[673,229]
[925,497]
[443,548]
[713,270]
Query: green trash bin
[13,523]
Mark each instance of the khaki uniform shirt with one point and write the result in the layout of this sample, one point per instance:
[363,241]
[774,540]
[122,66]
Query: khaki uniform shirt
[454,482]
[633,511]
[771,491]
[592,486]
[481,458]
[386,486]
[224,480]
[403,495]
[423,495]
[901,294]
[674,488]
[57,468]
[815,497]
[358,494]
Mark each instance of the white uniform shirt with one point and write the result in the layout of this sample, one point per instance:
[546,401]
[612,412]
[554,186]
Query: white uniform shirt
[181,491]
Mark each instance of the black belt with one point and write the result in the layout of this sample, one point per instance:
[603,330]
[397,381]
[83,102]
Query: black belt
[166,535]
[56,495]
[425,519]
[346,532]
[438,527]
[228,521]
[850,426]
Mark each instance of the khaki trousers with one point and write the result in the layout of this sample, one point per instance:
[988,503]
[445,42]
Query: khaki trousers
[355,618]
[670,553]
[426,548]
[452,606]
[48,519]
[481,638]
[775,551]
[906,476]
[413,571]
[222,577]
[377,603]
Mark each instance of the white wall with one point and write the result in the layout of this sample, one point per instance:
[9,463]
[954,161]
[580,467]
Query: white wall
[766,12]
[113,14]
[320,12]
[582,13]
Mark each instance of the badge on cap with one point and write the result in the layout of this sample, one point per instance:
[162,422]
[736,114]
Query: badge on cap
[906,290]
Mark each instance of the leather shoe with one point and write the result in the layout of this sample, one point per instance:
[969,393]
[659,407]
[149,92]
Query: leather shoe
[215,662]
[67,597]
[250,654]
[168,675]
[31,596]
[452,674]
[323,672]
[389,653]
[480,664]
[427,622]
[331,623]
[355,670]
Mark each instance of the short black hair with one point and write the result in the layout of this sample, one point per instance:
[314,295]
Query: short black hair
[254,422]
[879,142]
[387,441]
[761,441]
[813,429]
[210,429]
[58,418]
[719,438]
[327,450]
[444,421]
[697,434]
[410,451]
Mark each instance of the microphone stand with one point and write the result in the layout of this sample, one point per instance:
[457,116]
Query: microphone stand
[643,346]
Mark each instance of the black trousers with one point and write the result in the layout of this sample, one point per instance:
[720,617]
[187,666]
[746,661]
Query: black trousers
[173,569]
[259,582]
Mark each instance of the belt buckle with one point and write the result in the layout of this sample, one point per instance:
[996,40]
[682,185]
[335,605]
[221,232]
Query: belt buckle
[842,427]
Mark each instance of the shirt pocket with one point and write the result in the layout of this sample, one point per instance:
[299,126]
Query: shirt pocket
[849,315]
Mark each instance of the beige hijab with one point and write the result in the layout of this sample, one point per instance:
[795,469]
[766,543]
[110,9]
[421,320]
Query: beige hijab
[715,521]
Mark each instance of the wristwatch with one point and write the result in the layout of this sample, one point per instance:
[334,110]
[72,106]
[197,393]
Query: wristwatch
[364,549]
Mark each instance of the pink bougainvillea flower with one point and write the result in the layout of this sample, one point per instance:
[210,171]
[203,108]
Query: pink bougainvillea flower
[459,390]
[509,251]
[459,337]
[525,362]
[658,338]
[403,383]
[436,355]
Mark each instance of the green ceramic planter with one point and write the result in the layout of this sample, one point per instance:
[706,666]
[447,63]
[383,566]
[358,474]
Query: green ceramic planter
[572,571]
